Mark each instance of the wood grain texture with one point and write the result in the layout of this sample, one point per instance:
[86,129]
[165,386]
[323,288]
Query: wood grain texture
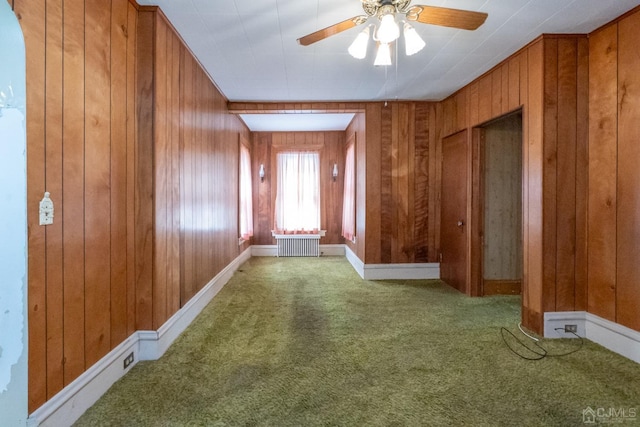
[105,136]
[533,171]
[549,145]
[73,197]
[144,170]
[118,197]
[454,265]
[265,147]
[422,180]
[582,173]
[372,179]
[54,184]
[603,134]
[78,134]
[628,217]
[565,286]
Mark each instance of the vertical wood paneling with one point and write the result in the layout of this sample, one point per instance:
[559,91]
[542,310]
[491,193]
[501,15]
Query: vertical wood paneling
[109,150]
[161,144]
[97,180]
[32,19]
[533,172]
[485,98]
[566,175]
[549,144]
[144,170]
[628,217]
[421,183]
[496,92]
[173,303]
[78,136]
[388,164]
[373,183]
[331,148]
[53,180]
[73,197]
[582,172]
[132,18]
[261,155]
[474,109]
[514,83]
[118,287]
[603,70]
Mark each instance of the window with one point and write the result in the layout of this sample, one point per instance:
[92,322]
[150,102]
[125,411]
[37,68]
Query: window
[349,199]
[246,205]
[297,207]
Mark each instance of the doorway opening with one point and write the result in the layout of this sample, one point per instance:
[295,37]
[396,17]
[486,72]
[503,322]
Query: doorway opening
[501,223]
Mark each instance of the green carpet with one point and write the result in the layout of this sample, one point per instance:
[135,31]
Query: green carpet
[306,342]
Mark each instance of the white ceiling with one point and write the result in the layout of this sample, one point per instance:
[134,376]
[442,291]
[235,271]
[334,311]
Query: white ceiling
[249,46]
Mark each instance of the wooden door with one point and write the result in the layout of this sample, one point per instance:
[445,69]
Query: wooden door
[453,219]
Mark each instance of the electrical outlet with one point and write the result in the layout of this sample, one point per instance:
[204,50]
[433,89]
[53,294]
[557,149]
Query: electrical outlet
[128,360]
[571,328]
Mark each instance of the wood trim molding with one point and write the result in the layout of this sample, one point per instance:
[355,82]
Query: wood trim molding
[295,108]
[501,287]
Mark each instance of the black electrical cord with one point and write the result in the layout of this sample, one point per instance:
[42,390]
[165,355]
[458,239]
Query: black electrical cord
[539,352]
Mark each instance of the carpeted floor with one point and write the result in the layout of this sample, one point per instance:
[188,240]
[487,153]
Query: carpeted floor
[306,342]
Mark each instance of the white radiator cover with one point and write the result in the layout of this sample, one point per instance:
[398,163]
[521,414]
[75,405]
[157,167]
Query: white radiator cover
[298,245]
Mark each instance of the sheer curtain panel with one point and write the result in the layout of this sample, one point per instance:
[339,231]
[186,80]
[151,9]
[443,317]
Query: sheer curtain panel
[297,207]
[246,204]
[349,199]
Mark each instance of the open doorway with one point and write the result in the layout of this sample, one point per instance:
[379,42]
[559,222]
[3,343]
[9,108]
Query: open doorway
[13,222]
[501,206]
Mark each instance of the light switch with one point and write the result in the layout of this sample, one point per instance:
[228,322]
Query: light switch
[46,210]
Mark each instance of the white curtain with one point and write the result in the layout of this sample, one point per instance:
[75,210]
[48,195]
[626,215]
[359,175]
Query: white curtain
[246,194]
[349,199]
[298,192]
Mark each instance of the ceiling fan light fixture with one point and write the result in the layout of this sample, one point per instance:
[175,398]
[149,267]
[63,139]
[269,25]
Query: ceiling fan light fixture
[388,30]
[383,57]
[358,48]
[412,41]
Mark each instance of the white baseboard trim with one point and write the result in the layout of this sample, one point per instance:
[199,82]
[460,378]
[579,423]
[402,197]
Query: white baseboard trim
[153,344]
[355,262]
[611,335]
[71,402]
[272,250]
[264,250]
[393,271]
[332,250]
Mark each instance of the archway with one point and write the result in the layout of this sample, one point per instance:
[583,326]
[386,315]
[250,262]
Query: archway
[13,222]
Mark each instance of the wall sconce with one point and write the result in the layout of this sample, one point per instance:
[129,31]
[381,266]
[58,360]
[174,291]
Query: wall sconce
[261,173]
[334,172]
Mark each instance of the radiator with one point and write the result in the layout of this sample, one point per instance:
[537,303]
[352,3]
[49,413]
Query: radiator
[298,244]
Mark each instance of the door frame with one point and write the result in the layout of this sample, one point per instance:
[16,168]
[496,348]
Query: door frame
[476,205]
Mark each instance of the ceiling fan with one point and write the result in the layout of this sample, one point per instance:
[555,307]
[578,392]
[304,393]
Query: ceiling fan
[386,10]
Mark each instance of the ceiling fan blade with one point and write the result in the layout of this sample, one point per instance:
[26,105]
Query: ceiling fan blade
[445,17]
[332,30]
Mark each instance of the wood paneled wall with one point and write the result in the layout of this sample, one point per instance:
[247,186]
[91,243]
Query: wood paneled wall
[190,146]
[357,131]
[330,145]
[548,80]
[81,142]
[400,158]
[140,154]
[614,177]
